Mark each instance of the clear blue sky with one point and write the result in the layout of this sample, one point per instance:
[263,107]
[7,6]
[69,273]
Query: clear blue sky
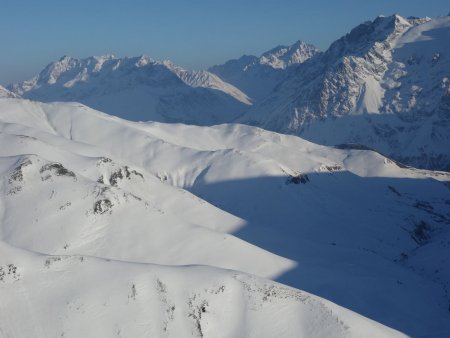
[193,33]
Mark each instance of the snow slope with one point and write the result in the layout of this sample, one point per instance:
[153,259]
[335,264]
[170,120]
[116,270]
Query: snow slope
[78,296]
[137,88]
[104,200]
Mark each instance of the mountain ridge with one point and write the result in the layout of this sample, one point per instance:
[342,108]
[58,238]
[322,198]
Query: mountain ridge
[228,196]
[162,91]
[258,76]
[383,85]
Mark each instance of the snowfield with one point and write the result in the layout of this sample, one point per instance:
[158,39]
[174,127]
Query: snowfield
[78,296]
[117,228]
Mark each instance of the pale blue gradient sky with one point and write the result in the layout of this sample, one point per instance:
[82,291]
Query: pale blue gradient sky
[193,33]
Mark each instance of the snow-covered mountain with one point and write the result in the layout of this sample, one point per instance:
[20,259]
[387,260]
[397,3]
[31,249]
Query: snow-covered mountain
[97,214]
[384,85]
[137,88]
[258,76]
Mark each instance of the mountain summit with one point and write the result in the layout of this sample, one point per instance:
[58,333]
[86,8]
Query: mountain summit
[257,76]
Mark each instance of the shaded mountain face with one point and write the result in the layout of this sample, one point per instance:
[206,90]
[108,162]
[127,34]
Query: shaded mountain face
[385,85]
[258,76]
[137,88]
[114,208]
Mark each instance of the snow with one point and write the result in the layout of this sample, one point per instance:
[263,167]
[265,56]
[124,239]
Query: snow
[391,68]
[169,229]
[371,98]
[100,215]
[386,79]
[206,79]
[258,76]
[74,296]
[285,56]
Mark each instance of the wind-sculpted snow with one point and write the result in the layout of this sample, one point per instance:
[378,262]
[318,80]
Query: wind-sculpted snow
[87,190]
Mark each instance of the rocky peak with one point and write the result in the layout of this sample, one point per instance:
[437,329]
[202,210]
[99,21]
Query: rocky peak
[285,56]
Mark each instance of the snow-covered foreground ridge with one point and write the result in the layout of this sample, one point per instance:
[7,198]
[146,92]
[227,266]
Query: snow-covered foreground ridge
[77,296]
[98,213]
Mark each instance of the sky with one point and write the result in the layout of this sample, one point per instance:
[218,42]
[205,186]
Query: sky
[195,34]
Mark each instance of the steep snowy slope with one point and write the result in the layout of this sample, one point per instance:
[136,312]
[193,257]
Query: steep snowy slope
[384,85]
[206,79]
[348,225]
[258,76]
[137,88]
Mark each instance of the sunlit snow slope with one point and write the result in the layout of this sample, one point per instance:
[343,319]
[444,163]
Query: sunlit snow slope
[90,203]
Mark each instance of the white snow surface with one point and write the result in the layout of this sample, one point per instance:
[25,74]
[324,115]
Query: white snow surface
[110,227]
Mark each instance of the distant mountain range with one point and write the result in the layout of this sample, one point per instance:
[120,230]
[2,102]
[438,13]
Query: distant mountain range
[137,88]
[385,85]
